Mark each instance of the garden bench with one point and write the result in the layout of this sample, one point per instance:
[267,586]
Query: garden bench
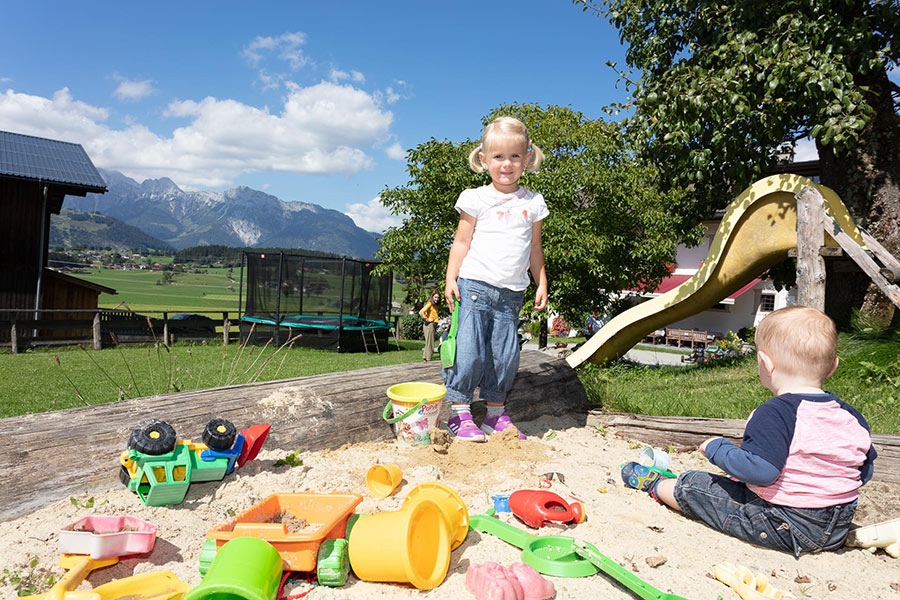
[687,337]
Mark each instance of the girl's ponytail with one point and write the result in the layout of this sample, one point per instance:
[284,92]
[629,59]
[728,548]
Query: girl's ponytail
[475,160]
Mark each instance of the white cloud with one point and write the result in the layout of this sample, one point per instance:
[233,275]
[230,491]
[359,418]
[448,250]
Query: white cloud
[322,129]
[399,91]
[373,216]
[396,152]
[129,90]
[287,47]
[354,76]
[61,117]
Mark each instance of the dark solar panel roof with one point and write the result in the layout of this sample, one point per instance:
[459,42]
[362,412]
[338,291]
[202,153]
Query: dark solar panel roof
[29,157]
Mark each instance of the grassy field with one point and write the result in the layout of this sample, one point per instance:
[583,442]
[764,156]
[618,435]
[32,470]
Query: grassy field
[44,379]
[189,292]
[54,379]
[214,290]
[868,378]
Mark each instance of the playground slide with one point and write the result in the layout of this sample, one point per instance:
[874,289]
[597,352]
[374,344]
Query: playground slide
[756,233]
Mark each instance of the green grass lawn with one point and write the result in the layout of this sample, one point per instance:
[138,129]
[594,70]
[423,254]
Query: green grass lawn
[868,378]
[42,380]
[52,379]
[49,379]
[208,292]
[189,292]
[45,378]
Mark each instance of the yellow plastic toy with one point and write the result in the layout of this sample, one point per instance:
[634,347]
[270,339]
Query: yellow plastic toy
[159,585]
[881,535]
[748,585]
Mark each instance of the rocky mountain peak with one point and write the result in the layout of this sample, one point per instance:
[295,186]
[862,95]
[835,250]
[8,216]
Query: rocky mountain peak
[239,217]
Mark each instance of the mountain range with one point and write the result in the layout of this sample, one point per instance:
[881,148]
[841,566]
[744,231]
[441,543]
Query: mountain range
[240,217]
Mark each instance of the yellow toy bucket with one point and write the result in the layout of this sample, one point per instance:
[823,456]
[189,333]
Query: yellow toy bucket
[413,409]
[411,545]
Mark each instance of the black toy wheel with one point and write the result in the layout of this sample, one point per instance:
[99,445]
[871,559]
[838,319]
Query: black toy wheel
[124,475]
[154,439]
[219,434]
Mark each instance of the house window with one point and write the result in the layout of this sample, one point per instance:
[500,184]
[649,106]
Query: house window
[767,303]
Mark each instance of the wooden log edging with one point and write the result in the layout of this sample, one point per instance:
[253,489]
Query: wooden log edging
[687,433]
[47,457]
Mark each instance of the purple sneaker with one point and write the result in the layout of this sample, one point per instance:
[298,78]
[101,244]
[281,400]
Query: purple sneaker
[463,428]
[501,423]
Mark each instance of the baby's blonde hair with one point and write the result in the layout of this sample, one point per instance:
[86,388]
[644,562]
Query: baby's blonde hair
[507,128]
[800,340]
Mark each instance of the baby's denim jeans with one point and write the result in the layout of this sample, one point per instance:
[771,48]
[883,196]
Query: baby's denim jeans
[730,507]
[487,349]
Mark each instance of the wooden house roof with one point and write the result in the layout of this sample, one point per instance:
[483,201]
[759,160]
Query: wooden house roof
[69,279]
[63,165]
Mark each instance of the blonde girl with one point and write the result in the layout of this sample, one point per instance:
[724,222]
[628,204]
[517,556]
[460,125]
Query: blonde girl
[497,242]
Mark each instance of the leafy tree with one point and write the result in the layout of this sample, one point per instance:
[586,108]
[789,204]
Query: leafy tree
[726,88]
[609,229]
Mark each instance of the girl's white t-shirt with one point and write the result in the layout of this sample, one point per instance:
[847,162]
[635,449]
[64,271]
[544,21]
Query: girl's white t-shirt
[500,251]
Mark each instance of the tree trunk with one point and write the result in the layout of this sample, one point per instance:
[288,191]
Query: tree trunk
[867,178]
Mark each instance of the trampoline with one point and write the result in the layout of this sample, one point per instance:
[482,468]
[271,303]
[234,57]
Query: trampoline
[332,303]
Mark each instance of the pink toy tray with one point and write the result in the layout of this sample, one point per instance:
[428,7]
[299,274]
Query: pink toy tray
[105,536]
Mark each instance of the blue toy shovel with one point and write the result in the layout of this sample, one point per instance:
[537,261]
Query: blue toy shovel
[448,346]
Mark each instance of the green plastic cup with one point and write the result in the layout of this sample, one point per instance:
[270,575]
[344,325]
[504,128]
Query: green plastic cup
[245,568]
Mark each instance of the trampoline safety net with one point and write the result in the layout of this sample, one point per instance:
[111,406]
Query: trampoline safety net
[334,303]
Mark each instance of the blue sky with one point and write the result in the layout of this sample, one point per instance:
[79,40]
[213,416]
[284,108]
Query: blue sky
[308,101]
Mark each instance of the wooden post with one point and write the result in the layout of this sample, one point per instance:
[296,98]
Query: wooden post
[810,238]
[226,328]
[165,335]
[96,331]
[14,336]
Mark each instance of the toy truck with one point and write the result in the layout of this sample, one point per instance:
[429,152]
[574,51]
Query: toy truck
[159,468]
[315,541]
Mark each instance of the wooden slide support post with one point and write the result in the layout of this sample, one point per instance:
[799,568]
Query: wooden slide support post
[884,277]
[810,238]
[891,269]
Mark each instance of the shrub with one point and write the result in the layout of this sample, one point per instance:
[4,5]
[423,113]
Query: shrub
[411,327]
[748,334]
[731,341]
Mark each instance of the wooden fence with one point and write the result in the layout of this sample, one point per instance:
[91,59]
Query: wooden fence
[103,327]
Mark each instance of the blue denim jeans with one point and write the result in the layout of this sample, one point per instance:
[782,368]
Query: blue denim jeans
[487,350]
[730,507]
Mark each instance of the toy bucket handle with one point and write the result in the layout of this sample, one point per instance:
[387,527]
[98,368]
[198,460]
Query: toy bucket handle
[392,420]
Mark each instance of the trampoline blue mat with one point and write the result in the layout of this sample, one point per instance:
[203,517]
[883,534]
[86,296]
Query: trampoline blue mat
[333,322]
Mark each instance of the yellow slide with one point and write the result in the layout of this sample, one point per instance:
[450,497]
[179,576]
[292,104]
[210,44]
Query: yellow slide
[756,233]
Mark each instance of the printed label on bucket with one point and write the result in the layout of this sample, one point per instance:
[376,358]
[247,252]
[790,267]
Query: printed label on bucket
[414,430]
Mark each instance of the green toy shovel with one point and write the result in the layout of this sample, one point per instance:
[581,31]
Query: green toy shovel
[448,346]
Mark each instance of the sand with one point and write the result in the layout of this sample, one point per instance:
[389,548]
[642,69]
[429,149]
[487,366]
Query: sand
[658,545]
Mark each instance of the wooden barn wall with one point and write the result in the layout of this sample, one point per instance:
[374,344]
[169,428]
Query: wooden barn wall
[20,242]
[60,293]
